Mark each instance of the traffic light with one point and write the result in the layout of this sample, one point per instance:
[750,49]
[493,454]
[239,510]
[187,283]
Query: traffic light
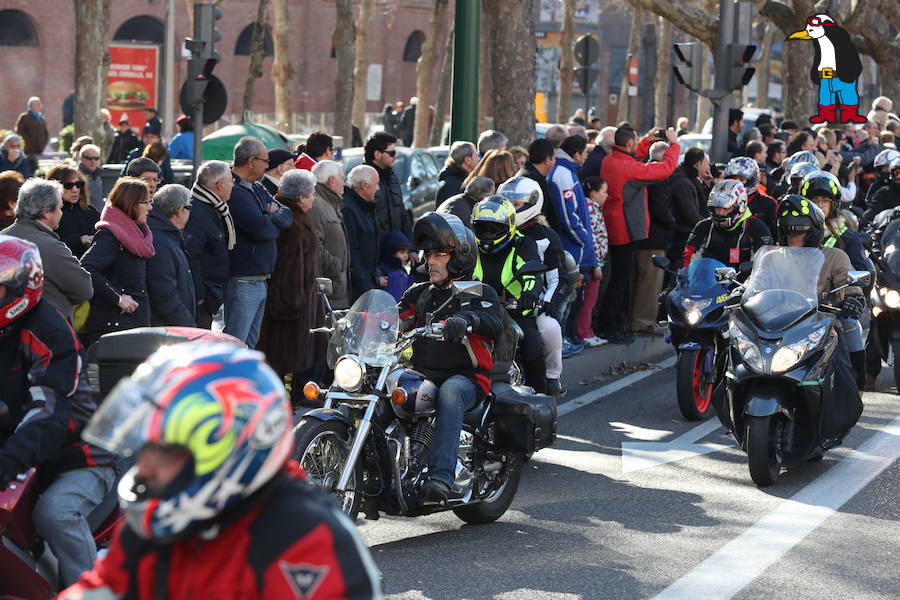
[737,61]
[689,64]
[203,52]
[205,17]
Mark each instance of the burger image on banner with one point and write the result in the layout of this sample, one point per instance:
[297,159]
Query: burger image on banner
[126,95]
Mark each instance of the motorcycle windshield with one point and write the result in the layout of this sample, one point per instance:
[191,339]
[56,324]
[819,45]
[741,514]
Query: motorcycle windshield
[782,287]
[368,330]
[890,247]
[700,275]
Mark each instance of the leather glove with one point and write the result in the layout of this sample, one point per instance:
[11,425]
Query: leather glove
[455,329]
[8,472]
[852,307]
[527,302]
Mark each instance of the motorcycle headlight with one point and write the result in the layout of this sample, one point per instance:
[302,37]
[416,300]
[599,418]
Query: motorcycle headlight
[749,350]
[349,372]
[690,304]
[891,298]
[788,356]
[692,316]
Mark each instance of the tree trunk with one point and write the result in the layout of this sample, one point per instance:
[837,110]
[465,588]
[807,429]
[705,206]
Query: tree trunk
[765,63]
[603,85]
[282,71]
[663,68]
[634,38]
[566,62]
[361,70]
[91,62]
[257,54]
[344,40]
[795,84]
[444,92]
[485,83]
[512,53]
[425,74]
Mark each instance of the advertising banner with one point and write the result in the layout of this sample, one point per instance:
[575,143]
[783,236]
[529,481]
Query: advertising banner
[132,82]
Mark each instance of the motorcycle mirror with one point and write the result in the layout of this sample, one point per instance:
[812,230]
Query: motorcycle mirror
[325,285]
[745,267]
[471,289]
[725,273]
[660,261]
[860,278]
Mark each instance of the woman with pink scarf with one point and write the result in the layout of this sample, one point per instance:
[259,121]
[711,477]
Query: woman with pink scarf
[116,261]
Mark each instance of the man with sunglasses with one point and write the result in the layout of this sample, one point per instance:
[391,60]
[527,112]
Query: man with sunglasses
[90,166]
[381,153]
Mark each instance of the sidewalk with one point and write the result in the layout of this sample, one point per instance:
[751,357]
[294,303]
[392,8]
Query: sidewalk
[586,369]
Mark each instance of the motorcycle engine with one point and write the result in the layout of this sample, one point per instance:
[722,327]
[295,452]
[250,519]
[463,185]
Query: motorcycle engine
[421,435]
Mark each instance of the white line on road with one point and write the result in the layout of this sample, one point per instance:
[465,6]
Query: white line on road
[594,395]
[637,456]
[743,559]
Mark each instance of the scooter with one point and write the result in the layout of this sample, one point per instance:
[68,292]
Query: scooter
[790,389]
[696,318]
[885,295]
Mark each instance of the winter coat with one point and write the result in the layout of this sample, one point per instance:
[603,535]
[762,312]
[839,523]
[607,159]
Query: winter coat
[625,211]
[568,198]
[94,185]
[686,192]
[123,144]
[170,284]
[460,205]
[293,306]
[33,129]
[20,164]
[362,239]
[399,278]
[662,221]
[326,217]
[182,146]
[888,196]
[592,163]
[65,282]
[389,205]
[206,245]
[76,222]
[451,178]
[270,184]
[763,208]
[254,253]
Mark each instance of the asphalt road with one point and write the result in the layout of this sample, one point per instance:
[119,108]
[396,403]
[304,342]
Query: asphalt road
[585,525]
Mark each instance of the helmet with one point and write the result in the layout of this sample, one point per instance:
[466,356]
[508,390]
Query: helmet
[885,157]
[745,167]
[803,156]
[522,189]
[797,214]
[22,273]
[222,403]
[728,193]
[494,223]
[822,183]
[801,170]
[439,231]
[895,169]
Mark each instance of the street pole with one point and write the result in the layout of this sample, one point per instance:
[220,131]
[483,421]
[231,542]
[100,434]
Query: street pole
[719,149]
[169,68]
[466,42]
[198,139]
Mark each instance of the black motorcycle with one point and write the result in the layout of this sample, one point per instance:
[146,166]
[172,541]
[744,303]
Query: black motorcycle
[369,446]
[790,389]
[885,296]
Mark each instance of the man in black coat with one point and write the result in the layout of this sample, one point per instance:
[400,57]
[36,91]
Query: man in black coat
[170,284]
[541,159]
[463,204]
[363,235]
[460,162]
[688,201]
[124,142]
[381,154]
[735,121]
[605,142]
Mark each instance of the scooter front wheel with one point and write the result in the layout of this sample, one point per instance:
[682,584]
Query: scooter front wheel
[764,448]
[694,393]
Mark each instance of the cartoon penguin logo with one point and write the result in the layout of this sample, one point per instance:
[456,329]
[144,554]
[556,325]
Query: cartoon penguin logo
[835,69]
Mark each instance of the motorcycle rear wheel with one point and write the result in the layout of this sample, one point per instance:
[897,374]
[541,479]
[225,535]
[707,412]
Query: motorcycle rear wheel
[764,448]
[321,448]
[495,505]
[694,394]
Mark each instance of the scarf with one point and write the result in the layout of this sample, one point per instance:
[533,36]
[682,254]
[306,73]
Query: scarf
[137,239]
[202,194]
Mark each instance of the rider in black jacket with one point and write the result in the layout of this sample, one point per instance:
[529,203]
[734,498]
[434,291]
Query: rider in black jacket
[460,364]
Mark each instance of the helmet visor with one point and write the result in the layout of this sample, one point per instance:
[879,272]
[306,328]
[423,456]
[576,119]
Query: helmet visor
[490,230]
[122,423]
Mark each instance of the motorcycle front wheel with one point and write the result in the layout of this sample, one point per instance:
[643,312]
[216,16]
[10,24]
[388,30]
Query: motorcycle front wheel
[694,394]
[321,448]
[764,448]
[497,502]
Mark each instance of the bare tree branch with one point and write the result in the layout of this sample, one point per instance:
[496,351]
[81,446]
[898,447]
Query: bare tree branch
[691,20]
[779,13]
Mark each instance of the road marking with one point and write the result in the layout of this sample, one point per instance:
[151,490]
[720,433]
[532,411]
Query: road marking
[637,456]
[743,559]
[594,395]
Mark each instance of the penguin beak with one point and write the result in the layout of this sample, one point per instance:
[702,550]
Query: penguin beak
[800,35]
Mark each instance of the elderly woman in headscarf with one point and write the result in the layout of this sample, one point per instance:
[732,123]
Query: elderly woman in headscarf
[293,306]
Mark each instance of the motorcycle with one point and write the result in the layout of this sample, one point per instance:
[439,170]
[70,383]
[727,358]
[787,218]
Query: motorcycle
[369,446]
[790,389]
[885,295]
[696,318]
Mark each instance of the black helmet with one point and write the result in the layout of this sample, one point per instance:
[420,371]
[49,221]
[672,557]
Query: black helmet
[822,183]
[796,214]
[439,231]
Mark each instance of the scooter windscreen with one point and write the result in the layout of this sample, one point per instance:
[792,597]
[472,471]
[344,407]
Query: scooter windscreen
[782,288]
[890,247]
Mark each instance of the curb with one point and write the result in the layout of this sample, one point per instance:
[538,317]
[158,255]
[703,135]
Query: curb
[586,369]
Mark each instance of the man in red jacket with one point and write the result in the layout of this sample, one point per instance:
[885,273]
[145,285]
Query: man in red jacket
[627,216]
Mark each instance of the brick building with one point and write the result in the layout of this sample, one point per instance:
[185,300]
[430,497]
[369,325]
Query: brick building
[38,51]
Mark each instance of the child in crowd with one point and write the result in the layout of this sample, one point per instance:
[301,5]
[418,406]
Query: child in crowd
[595,190]
[394,263]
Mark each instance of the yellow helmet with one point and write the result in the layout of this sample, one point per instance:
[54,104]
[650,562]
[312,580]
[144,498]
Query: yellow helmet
[494,223]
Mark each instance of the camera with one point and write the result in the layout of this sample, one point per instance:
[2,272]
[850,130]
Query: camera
[661,134]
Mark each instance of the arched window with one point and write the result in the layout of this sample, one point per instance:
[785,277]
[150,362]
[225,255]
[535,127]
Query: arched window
[16,29]
[242,46]
[413,49]
[141,29]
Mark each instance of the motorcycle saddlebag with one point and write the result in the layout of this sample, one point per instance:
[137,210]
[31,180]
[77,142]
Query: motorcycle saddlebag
[523,422]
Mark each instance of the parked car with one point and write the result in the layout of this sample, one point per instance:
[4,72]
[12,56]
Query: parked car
[439,154]
[417,171]
[690,140]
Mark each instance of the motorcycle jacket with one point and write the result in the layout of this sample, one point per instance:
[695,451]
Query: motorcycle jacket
[763,208]
[730,246]
[286,542]
[440,360]
[839,235]
[550,251]
[50,400]
[499,271]
[887,196]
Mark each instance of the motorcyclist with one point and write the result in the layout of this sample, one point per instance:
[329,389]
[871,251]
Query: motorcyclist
[527,198]
[795,177]
[214,508]
[502,253]
[824,190]
[731,234]
[49,400]
[888,196]
[782,176]
[802,224]
[746,170]
[881,172]
[460,364]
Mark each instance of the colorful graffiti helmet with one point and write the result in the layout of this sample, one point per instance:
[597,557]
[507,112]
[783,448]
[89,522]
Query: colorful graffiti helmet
[822,183]
[22,273]
[746,168]
[729,194]
[796,214]
[494,223]
[220,402]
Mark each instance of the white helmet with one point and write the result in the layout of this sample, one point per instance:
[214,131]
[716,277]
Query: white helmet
[884,158]
[521,189]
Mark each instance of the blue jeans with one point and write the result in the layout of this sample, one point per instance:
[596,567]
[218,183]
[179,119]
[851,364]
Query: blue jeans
[455,397]
[60,518]
[245,300]
[851,335]
[835,91]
